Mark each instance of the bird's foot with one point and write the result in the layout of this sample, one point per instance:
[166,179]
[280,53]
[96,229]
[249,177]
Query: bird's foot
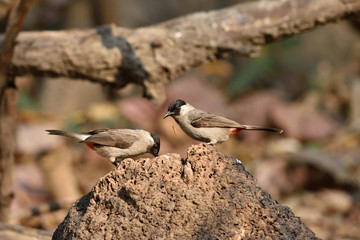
[211,143]
[116,163]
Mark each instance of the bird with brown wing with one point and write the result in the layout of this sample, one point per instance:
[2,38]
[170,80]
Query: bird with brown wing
[116,144]
[207,127]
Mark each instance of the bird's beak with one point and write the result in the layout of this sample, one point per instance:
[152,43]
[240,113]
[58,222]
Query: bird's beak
[167,114]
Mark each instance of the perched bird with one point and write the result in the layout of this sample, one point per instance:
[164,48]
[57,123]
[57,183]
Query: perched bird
[116,143]
[207,127]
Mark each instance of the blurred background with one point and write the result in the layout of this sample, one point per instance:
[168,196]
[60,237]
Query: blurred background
[307,85]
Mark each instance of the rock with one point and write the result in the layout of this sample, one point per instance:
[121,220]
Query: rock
[211,196]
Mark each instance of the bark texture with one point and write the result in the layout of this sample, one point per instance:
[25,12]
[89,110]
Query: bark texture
[154,55]
[211,197]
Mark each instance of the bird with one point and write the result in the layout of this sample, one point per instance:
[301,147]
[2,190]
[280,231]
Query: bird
[207,127]
[116,144]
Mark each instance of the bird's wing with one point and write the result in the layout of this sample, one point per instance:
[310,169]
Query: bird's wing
[200,119]
[113,138]
[95,131]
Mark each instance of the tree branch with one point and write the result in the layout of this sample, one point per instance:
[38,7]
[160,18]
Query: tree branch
[154,55]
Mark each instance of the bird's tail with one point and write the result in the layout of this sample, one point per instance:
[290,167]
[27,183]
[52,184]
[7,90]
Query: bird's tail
[78,136]
[251,127]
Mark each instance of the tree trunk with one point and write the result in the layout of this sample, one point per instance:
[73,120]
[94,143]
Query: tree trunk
[8,114]
[8,106]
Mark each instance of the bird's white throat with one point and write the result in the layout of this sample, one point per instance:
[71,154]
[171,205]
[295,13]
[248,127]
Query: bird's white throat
[185,109]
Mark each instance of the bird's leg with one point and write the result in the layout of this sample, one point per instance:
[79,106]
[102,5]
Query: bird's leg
[212,143]
[114,161]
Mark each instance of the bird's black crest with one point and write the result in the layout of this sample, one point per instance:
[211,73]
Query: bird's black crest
[174,107]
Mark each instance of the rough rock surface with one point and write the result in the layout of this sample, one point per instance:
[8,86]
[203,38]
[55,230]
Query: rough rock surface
[211,197]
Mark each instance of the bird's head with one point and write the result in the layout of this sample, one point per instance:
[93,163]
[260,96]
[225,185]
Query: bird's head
[174,108]
[156,147]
